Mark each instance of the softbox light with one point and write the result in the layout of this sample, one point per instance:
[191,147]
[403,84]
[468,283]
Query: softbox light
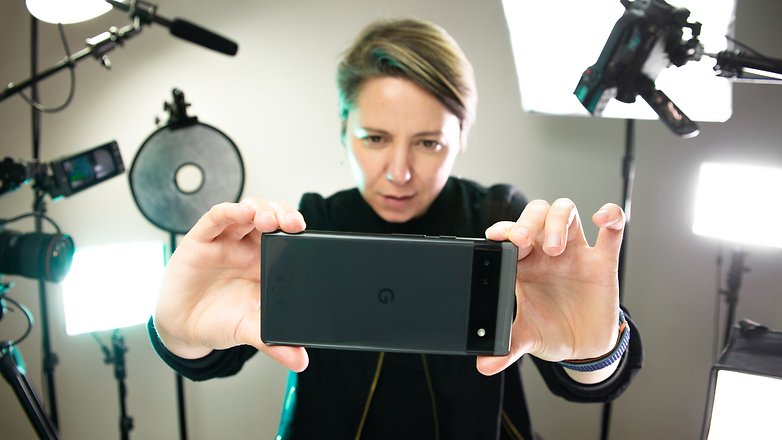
[554,42]
[112,286]
[745,388]
[758,186]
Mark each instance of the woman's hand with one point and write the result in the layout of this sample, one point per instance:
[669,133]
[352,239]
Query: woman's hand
[567,292]
[210,297]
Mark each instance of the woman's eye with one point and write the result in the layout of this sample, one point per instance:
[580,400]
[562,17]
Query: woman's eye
[373,139]
[430,144]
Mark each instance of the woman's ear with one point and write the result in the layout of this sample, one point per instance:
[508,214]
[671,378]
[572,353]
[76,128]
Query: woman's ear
[462,141]
[343,132]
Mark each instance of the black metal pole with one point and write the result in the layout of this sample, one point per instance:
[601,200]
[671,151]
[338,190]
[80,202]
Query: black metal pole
[180,396]
[36,116]
[50,359]
[39,208]
[180,383]
[735,274]
[118,350]
[628,177]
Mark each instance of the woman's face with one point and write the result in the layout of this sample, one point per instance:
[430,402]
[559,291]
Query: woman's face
[402,144]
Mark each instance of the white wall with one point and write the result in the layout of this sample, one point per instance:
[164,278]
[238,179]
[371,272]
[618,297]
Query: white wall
[276,100]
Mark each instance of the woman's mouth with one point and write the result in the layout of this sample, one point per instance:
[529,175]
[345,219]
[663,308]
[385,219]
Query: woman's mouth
[397,200]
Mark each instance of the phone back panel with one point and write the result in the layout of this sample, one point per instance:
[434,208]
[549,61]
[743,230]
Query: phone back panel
[391,293]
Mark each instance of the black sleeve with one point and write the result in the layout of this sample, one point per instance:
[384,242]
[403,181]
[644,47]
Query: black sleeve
[502,202]
[562,385]
[315,211]
[218,363]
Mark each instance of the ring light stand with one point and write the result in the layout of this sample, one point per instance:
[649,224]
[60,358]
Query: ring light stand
[179,151]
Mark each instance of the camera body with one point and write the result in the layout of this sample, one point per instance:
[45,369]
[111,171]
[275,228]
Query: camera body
[38,254]
[81,171]
[65,176]
[646,39]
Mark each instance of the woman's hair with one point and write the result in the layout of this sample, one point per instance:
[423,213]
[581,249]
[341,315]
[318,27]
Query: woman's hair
[412,49]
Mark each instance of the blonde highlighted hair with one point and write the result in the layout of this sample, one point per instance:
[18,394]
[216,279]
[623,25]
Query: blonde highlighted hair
[416,50]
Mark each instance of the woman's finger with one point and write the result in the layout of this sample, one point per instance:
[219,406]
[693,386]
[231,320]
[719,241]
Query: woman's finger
[562,226]
[289,219]
[292,358]
[248,331]
[273,216]
[219,218]
[611,221]
[490,365]
[528,229]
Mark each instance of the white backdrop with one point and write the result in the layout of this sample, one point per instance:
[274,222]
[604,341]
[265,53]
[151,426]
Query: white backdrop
[276,99]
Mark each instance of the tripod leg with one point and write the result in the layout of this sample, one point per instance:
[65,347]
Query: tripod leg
[12,367]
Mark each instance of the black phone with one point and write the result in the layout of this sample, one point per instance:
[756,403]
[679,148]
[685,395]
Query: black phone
[403,293]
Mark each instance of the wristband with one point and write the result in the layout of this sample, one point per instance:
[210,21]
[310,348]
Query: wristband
[594,364]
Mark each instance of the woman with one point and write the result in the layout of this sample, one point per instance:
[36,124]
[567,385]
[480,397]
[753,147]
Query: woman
[407,99]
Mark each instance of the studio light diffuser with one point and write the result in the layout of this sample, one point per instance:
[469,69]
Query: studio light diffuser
[553,43]
[745,386]
[739,203]
[112,286]
[732,417]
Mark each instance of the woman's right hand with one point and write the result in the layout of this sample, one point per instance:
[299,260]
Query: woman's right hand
[210,296]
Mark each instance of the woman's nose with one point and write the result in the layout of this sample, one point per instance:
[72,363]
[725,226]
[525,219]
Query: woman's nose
[399,165]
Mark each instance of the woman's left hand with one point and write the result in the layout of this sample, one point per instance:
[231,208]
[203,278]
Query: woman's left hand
[567,292]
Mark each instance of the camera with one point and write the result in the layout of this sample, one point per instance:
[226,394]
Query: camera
[35,254]
[65,176]
[38,254]
[646,39]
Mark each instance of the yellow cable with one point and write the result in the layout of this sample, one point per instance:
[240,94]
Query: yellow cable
[371,393]
[510,426]
[431,394]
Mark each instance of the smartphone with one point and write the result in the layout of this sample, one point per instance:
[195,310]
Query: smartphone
[402,293]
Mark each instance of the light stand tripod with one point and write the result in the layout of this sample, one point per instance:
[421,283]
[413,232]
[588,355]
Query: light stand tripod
[741,65]
[180,382]
[154,181]
[116,356]
[731,292]
[15,373]
[628,177]
[50,358]
[39,207]
[141,13]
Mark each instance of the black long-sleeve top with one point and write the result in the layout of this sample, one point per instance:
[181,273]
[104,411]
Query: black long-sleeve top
[412,395]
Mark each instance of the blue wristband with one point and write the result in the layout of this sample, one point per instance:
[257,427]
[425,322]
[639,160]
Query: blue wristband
[604,361]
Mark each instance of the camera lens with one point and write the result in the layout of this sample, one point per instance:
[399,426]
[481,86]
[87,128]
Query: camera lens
[36,255]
